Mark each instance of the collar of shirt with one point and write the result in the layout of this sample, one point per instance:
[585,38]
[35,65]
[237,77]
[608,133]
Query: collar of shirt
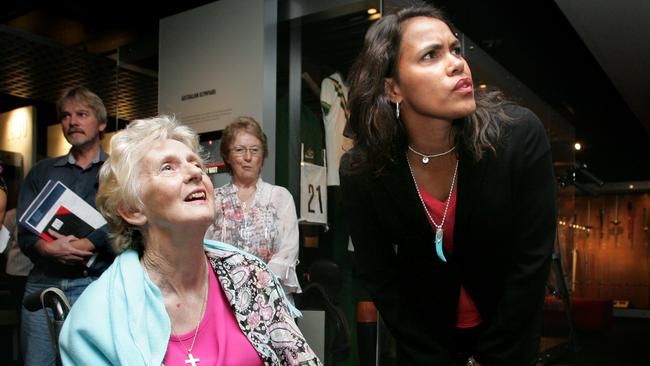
[69,158]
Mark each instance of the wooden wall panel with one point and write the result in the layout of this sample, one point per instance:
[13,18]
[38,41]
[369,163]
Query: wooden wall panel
[611,240]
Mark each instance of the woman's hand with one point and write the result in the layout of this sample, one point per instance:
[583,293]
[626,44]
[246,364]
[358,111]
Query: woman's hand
[264,254]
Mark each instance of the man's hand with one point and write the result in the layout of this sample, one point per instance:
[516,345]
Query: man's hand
[68,250]
[83,244]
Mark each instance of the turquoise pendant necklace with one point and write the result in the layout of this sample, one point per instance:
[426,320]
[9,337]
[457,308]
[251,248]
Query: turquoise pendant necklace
[439,231]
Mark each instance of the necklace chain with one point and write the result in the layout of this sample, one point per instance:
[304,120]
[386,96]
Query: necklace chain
[439,231]
[425,157]
[196,330]
[248,201]
[451,190]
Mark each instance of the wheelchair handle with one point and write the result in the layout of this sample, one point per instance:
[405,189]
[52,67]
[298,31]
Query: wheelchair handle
[50,297]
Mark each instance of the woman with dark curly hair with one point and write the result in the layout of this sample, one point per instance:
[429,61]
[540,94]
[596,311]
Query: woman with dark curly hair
[450,197]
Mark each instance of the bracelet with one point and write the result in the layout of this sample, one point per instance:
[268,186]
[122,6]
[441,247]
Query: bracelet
[471,362]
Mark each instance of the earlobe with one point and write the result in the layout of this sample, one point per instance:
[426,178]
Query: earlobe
[133,216]
[392,90]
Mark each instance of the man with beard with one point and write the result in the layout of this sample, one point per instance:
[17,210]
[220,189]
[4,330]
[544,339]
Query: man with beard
[67,262]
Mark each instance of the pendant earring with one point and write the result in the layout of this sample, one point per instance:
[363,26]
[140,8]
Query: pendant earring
[397,109]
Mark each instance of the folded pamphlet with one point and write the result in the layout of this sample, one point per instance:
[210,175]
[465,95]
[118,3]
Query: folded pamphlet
[58,208]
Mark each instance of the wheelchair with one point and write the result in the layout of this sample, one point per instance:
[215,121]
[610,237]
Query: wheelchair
[54,299]
[324,282]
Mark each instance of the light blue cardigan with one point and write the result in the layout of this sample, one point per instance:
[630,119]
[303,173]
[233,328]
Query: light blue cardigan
[133,327]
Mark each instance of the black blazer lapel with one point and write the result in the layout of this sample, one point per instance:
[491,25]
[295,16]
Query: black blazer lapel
[398,182]
[470,181]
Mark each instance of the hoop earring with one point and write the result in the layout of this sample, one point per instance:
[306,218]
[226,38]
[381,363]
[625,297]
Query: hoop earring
[397,109]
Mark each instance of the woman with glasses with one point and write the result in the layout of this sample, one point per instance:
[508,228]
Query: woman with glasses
[251,214]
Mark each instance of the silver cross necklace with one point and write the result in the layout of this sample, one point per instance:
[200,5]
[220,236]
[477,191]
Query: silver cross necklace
[439,232]
[190,358]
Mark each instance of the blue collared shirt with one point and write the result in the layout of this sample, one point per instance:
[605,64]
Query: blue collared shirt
[84,182]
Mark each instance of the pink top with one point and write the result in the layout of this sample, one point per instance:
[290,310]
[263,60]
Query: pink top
[219,340]
[467,315]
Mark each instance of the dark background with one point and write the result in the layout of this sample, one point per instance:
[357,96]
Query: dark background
[531,39]
[538,45]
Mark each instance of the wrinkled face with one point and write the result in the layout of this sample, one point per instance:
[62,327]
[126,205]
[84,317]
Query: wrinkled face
[434,80]
[246,156]
[174,189]
[80,124]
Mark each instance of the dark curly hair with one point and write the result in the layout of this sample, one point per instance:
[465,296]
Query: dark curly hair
[379,136]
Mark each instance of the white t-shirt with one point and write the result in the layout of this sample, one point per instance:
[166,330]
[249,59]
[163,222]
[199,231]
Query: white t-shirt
[334,103]
[17,263]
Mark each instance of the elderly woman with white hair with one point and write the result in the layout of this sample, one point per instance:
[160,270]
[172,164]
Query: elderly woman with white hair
[171,297]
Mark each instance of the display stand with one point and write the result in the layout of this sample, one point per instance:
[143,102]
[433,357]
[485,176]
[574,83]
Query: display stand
[551,348]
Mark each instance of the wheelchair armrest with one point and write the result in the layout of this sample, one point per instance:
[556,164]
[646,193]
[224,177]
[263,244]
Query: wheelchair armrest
[339,343]
[51,297]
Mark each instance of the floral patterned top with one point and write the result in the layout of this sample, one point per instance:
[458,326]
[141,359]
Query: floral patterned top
[135,328]
[268,228]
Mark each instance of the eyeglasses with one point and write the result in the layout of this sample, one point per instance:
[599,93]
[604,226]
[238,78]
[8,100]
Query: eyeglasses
[241,150]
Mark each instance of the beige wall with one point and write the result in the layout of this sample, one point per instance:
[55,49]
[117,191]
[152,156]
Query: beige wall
[18,134]
[57,144]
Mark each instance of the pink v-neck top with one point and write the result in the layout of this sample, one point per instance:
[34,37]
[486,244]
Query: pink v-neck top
[219,340]
[467,315]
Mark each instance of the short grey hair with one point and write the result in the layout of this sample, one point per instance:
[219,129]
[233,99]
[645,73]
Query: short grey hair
[119,176]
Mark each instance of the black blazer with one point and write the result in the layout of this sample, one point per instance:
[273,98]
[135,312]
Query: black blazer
[503,239]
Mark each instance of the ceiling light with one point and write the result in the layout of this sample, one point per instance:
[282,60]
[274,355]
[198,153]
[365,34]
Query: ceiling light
[374,16]
[577,146]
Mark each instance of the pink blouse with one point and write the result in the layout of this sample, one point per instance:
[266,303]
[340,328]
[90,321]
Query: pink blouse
[219,340]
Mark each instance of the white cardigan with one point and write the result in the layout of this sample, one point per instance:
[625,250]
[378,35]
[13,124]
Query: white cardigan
[269,223]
